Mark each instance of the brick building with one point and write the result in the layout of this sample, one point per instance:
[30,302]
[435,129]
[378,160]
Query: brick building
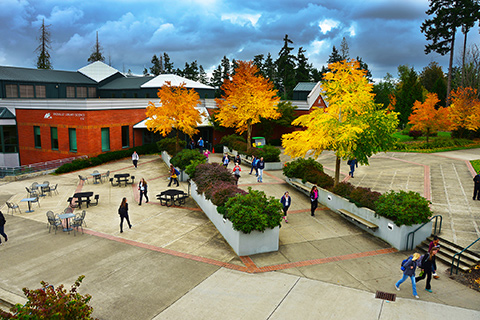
[49,114]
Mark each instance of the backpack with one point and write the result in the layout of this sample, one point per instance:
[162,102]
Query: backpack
[177,172]
[404,262]
[420,261]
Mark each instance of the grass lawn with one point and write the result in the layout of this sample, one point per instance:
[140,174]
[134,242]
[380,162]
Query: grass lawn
[405,138]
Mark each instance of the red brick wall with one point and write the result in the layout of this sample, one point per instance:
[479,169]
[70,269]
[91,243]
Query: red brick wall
[88,126]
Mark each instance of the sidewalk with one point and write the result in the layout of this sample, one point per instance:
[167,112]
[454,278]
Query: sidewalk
[173,262]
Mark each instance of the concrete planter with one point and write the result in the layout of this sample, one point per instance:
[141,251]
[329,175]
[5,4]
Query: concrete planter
[387,229]
[269,166]
[183,175]
[243,244]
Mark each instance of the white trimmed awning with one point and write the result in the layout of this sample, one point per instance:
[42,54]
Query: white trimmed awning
[205,120]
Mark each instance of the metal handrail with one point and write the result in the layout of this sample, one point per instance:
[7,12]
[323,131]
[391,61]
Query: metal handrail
[412,233]
[459,257]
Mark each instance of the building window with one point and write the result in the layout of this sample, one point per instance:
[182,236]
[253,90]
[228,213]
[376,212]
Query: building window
[40,92]
[37,138]
[81,92]
[92,92]
[147,95]
[135,95]
[105,139]
[70,92]
[124,95]
[72,139]
[11,91]
[54,137]
[125,137]
[26,91]
[8,139]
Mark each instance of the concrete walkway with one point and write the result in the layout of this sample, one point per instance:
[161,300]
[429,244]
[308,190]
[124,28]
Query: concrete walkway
[173,264]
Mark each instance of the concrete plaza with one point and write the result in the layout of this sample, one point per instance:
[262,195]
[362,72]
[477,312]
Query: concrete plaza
[173,264]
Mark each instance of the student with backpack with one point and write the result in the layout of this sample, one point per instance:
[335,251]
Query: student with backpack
[173,175]
[254,166]
[408,267]
[428,266]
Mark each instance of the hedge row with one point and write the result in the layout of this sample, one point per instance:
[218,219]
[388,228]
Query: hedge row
[238,143]
[105,157]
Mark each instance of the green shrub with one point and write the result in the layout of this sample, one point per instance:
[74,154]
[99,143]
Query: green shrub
[230,139]
[182,159]
[301,168]
[364,197]
[321,179]
[192,167]
[50,303]
[253,211]
[168,145]
[270,153]
[404,208]
[343,189]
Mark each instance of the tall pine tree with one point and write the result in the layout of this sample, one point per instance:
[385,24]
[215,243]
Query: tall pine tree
[286,69]
[97,52]
[43,60]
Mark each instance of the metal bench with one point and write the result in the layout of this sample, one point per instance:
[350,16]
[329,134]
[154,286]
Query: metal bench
[354,217]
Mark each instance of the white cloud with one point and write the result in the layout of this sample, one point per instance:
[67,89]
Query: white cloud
[241,19]
[327,25]
[60,17]
[317,46]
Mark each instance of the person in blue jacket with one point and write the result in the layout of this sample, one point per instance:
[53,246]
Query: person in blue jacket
[254,166]
[409,272]
[260,167]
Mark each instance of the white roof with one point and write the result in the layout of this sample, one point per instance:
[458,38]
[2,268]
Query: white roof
[204,118]
[98,71]
[175,80]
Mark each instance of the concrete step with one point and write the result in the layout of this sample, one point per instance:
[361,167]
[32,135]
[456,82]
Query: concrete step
[448,249]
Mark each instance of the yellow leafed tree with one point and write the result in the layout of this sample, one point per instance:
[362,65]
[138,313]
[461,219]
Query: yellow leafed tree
[247,97]
[352,125]
[426,118]
[177,111]
[465,110]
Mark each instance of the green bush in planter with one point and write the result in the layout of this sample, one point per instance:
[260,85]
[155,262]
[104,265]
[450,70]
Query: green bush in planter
[301,168]
[252,211]
[403,208]
[182,159]
[270,153]
[192,167]
[230,139]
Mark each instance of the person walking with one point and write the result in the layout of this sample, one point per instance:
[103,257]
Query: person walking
[260,167]
[286,202]
[313,200]
[238,160]
[254,165]
[135,158]
[225,160]
[206,153]
[435,243]
[476,189]
[142,186]
[236,172]
[409,272]
[352,163]
[173,175]
[200,144]
[2,227]
[191,144]
[123,212]
[428,266]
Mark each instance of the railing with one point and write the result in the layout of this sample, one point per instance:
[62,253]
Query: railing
[459,254]
[36,167]
[434,230]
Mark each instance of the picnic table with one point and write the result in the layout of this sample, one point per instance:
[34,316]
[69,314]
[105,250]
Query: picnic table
[122,178]
[83,197]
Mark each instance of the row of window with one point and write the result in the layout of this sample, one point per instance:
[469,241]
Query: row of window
[72,138]
[8,139]
[37,91]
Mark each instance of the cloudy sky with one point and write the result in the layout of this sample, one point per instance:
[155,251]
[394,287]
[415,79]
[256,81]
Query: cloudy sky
[384,33]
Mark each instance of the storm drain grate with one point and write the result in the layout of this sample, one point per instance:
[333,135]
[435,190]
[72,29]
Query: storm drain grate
[385,296]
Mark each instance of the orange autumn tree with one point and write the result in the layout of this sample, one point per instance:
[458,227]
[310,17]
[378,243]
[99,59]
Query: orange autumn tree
[247,97]
[177,111]
[426,118]
[464,110]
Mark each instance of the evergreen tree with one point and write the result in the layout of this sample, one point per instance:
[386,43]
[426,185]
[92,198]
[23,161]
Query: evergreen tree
[157,65]
[216,81]
[469,14]
[364,66]
[167,65]
[344,50]
[408,90]
[440,30]
[97,52]
[286,69]
[191,71]
[270,70]
[384,90]
[202,75]
[43,61]
[434,81]
[145,72]
[302,72]
[225,64]
[234,67]
[334,56]
[258,61]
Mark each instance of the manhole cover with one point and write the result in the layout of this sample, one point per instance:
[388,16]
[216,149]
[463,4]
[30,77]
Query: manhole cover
[385,296]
